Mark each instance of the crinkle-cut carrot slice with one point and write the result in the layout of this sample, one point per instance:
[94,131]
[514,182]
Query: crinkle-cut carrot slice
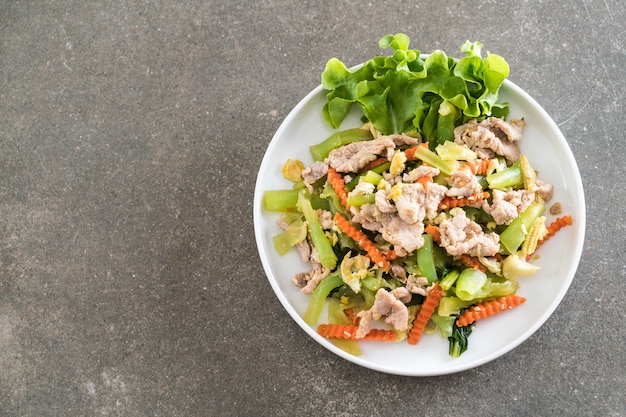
[347,331]
[362,240]
[426,311]
[488,309]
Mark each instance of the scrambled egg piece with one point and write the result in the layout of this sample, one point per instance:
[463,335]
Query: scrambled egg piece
[354,269]
[292,170]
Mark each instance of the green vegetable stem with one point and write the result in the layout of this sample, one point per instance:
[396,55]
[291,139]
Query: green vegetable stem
[430,157]
[513,236]
[506,178]
[321,150]
[319,295]
[426,260]
[280,200]
[318,237]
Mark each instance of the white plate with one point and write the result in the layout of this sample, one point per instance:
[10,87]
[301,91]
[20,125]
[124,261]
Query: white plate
[548,153]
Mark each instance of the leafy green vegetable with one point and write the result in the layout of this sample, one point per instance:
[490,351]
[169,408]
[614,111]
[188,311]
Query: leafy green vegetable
[405,93]
[459,339]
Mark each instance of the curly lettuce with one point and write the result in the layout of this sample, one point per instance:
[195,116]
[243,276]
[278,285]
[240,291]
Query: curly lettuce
[409,93]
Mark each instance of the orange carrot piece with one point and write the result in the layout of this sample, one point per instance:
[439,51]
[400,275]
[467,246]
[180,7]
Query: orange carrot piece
[425,179]
[337,182]
[426,311]
[374,164]
[553,227]
[478,166]
[390,254]
[488,309]
[410,153]
[362,240]
[472,262]
[434,232]
[351,314]
[452,202]
[346,331]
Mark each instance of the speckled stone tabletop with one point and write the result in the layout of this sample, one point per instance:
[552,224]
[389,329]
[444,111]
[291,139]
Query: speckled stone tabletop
[131,133]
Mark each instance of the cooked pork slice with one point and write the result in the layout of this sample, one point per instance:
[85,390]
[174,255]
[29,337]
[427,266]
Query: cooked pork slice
[416,203]
[363,187]
[402,139]
[506,206]
[309,280]
[305,250]
[398,272]
[385,305]
[383,204]
[492,136]
[402,294]
[417,285]
[410,203]
[463,184]
[354,156]
[460,235]
[369,217]
[434,195]
[403,236]
[326,219]
[314,172]
[419,172]
[545,190]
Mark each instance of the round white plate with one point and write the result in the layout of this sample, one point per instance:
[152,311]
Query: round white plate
[548,153]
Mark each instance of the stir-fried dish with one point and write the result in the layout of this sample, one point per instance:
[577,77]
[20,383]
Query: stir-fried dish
[426,217]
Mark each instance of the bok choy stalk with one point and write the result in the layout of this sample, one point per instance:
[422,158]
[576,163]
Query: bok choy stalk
[318,237]
[319,295]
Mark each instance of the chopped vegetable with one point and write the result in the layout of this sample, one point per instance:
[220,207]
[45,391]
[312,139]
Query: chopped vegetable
[336,180]
[427,310]
[469,284]
[452,202]
[506,178]
[280,200]
[295,233]
[318,297]
[459,340]
[347,331]
[318,237]
[537,232]
[359,237]
[337,139]
[554,227]
[450,151]
[426,260]
[515,233]
[514,266]
[488,308]
[431,158]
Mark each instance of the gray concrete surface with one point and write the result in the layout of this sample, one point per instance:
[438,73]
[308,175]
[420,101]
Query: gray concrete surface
[130,136]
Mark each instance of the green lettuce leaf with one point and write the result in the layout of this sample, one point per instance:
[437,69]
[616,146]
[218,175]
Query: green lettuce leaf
[405,93]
